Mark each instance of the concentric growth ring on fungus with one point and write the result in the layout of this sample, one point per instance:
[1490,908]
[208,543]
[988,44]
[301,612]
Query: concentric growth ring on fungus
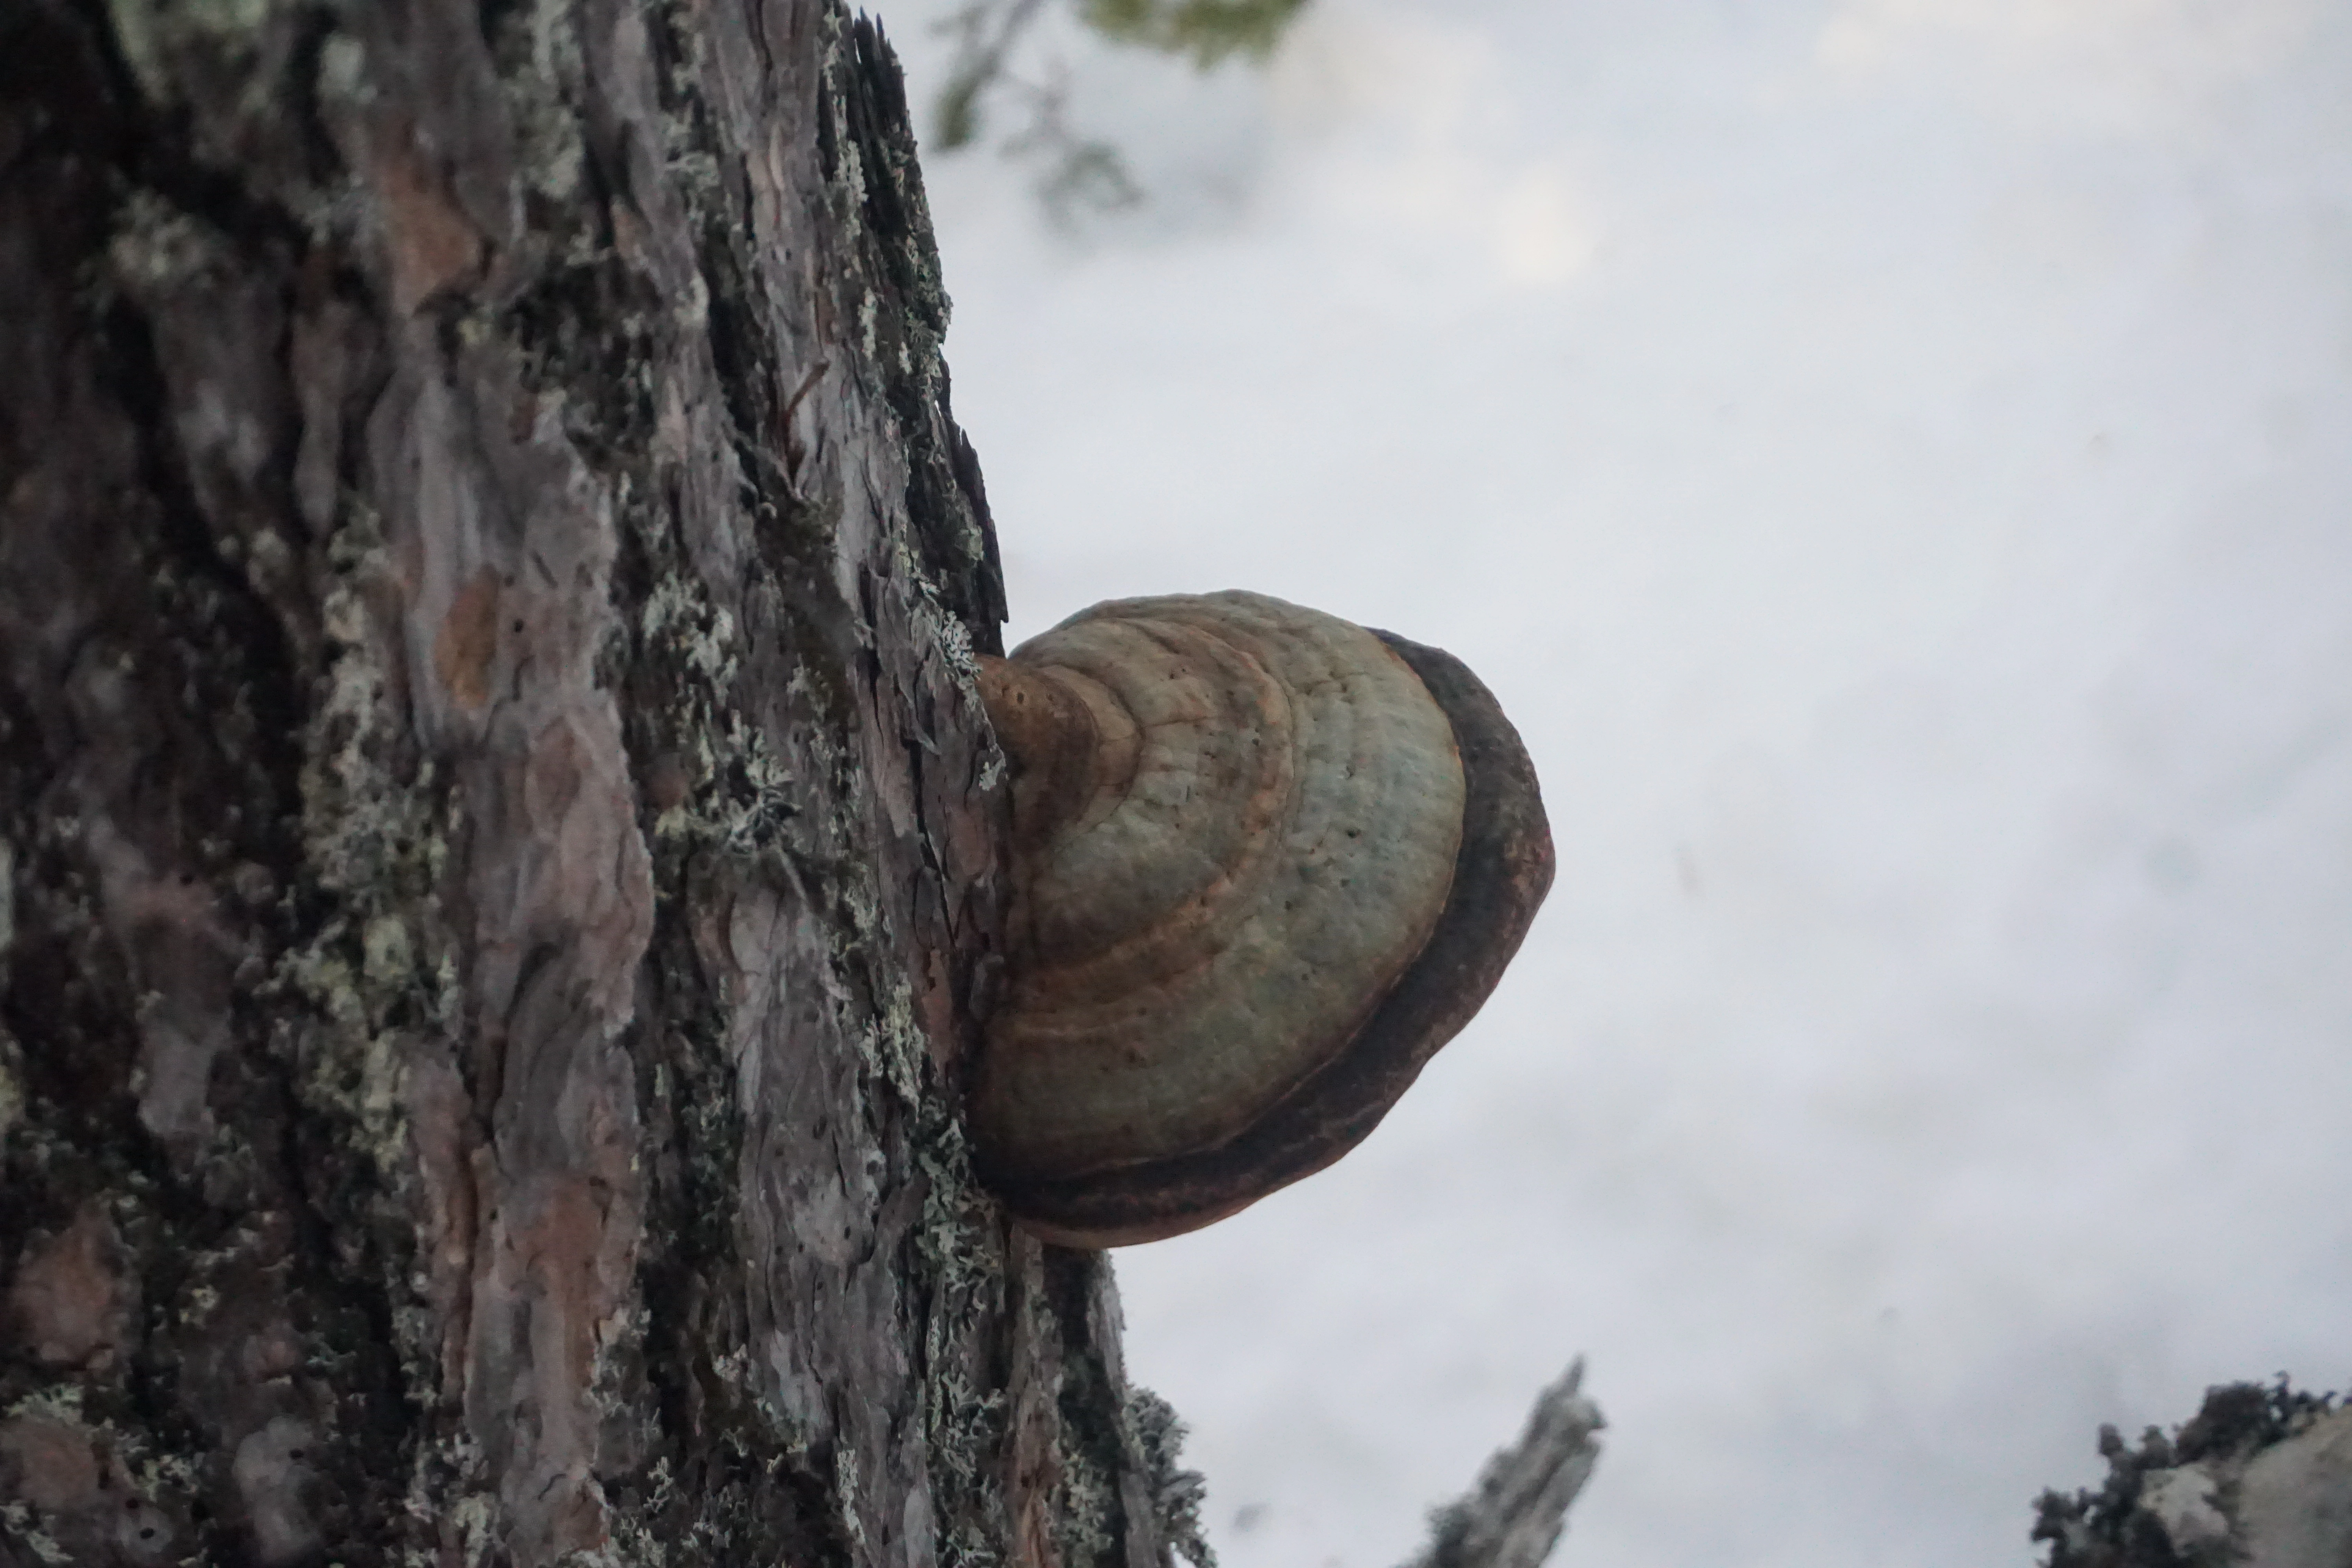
[1266,863]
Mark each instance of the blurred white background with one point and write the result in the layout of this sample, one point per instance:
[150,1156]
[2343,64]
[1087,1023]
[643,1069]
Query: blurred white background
[1894,461]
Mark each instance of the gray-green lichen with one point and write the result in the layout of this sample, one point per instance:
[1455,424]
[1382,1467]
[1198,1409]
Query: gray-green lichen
[375,830]
[938,627]
[1087,1512]
[540,87]
[737,794]
[12,1083]
[7,898]
[151,34]
[377,970]
[156,245]
[1156,1441]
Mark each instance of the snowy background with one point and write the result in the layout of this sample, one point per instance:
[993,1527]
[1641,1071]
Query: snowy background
[1894,461]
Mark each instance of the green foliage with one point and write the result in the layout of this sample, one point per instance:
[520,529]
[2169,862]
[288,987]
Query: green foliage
[1208,30]
[987,32]
[959,109]
[1079,170]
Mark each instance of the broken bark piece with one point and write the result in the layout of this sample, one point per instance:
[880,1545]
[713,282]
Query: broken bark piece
[2260,1477]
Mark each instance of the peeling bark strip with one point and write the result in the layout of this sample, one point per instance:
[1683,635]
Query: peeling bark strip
[499,836]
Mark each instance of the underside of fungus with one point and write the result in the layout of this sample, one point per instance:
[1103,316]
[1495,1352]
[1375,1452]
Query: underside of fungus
[1266,863]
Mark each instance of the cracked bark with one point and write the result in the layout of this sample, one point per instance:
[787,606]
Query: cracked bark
[501,849]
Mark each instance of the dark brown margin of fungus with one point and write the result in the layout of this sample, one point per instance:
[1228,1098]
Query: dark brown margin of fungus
[1500,877]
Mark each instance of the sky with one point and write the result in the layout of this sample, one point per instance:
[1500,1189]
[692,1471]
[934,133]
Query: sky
[1893,459]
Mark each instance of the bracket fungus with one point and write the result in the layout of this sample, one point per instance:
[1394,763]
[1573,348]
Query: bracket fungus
[1264,863]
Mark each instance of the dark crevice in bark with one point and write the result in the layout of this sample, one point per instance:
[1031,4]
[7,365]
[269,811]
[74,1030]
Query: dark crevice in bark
[908,257]
[344,1314]
[313,27]
[81,79]
[77,1080]
[59,62]
[587,329]
[945,504]
[236,659]
[963,463]
[1091,1521]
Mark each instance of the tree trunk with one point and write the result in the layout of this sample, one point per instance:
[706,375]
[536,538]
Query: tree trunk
[502,849]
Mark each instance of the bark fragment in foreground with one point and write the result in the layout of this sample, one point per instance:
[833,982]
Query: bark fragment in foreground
[1513,1517]
[2259,1476]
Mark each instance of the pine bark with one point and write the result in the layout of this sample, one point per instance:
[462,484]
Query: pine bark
[501,849]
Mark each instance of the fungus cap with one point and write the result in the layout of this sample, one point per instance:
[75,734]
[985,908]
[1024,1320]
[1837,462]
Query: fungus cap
[1264,863]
